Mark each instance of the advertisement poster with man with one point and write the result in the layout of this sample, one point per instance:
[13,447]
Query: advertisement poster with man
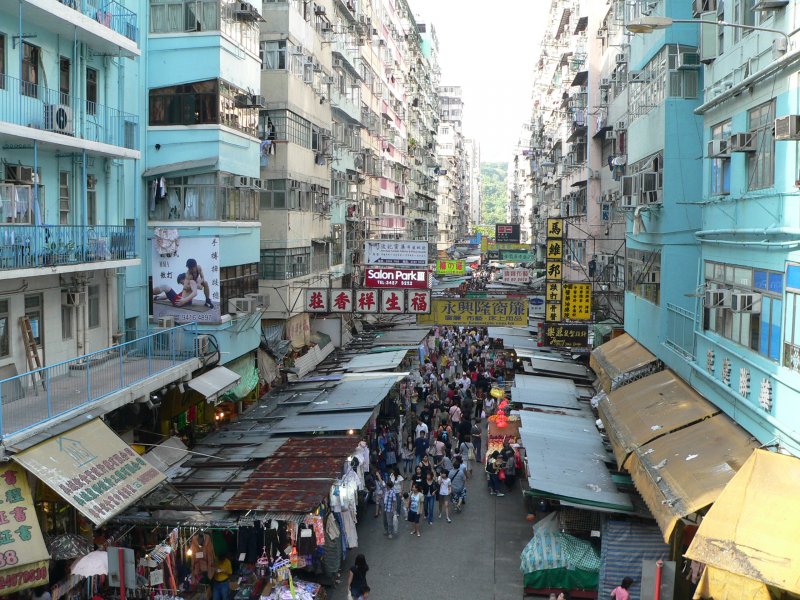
[186,277]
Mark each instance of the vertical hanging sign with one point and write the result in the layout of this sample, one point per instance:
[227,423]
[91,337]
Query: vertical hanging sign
[554,266]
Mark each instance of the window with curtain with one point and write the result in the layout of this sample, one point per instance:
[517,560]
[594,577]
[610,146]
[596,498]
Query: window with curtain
[273,55]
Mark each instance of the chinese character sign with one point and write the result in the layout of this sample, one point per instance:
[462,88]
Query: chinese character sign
[317,300]
[366,301]
[477,312]
[392,302]
[577,301]
[554,250]
[186,277]
[418,302]
[516,256]
[560,335]
[516,275]
[449,267]
[507,232]
[21,542]
[395,252]
[555,228]
[341,301]
[553,270]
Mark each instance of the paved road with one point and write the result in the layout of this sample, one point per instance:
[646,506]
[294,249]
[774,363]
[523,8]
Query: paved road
[475,557]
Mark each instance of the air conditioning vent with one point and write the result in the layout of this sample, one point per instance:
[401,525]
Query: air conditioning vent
[770,4]
[611,135]
[787,128]
[630,201]
[202,345]
[166,322]
[701,6]
[72,298]
[746,302]
[261,301]
[621,60]
[689,60]
[605,83]
[241,305]
[717,299]
[19,174]
[256,101]
[742,142]
[58,118]
[718,149]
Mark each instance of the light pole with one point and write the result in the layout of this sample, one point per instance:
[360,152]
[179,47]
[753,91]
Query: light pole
[650,24]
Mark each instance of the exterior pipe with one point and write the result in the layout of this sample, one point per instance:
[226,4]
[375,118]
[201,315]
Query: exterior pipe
[751,231]
[702,236]
[656,592]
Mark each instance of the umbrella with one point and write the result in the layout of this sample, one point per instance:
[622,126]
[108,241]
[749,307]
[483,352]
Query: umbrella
[69,545]
[94,563]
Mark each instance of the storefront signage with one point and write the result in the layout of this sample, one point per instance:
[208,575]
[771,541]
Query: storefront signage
[317,300]
[185,273]
[21,543]
[368,301]
[493,255]
[507,232]
[564,335]
[449,267]
[341,301]
[553,270]
[577,301]
[536,306]
[516,256]
[487,246]
[516,275]
[395,252]
[92,469]
[494,313]
[387,277]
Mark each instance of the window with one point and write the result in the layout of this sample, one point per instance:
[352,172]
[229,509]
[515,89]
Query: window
[274,196]
[33,310]
[643,274]
[169,16]
[64,79]
[91,91]
[285,263]
[743,14]
[63,197]
[91,199]
[238,281]
[4,321]
[761,163]
[30,70]
[337,249]
[94,306]
[273,55]
[791,334]
[605,211]
[288,127]
[66,321]
[2,62]
[721,167]
[759,330]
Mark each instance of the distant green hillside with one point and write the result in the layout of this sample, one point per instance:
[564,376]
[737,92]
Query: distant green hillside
[493,178]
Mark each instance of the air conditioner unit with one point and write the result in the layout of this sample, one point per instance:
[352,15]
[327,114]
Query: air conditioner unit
[295,49]
[257,183]
[166,322]
[648,181]
[652,197]
[651,277]
[19,174]
[621,60]
[637,77]
[605,83]
[630,201]
[243,182]
[319,10]
[718,149]
[787,128]
[256,101]
[71,298]
[338,63]
[241,100]
[717,299]
[611,135]
[689,60]
[770,4]
[746,302]
[202,345]
[779,47]
[742,142]
[58,118]
[330,80]
[260,300]
[620,126]
[241,305]
[701,6]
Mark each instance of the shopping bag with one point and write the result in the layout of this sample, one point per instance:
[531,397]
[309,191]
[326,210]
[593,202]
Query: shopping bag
[470,451]
[502,475]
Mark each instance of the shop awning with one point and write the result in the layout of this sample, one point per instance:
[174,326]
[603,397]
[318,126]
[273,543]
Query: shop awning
[355,392]
[648,409]
[214,383]
[753,528]
[383,361]
[545,391]
[685,471]
[92,469]
[559,368]
[185,166]
[330,423]
[621,360]
[567,461]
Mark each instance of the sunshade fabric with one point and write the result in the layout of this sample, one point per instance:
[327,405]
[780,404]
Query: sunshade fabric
[753,527]
[618,357]
[214,383]
[716,583]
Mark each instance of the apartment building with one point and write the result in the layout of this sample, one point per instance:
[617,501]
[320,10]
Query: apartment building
[453,169]
[519,208]
[473,149]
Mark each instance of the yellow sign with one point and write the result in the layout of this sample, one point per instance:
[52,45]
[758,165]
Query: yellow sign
[21,542]
[477,312]
[486,246]
[449,267]
[555,228]
[553,270]
[552,292]
[552,312]
[555,249]
[577,301]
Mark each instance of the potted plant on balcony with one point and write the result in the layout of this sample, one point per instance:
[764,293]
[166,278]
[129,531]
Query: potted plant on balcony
[56,251]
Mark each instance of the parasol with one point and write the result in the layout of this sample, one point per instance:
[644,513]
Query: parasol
[94,563]
[69,545]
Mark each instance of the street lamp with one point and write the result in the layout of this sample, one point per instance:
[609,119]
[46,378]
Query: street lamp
[650,24]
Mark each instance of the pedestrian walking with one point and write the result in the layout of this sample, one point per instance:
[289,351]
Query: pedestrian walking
[407,455]
[477,439]
[379,493]
[357,578]
[415,501]
[493,466]
[444,494]
[430,489]
[458,481]
[389,509]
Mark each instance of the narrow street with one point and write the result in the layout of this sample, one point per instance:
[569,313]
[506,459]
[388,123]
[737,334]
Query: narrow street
[475,556]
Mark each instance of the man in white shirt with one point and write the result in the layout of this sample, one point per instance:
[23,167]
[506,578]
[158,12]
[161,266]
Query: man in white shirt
[422,429]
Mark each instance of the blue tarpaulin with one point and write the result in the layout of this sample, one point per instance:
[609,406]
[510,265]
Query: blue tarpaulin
[625,545]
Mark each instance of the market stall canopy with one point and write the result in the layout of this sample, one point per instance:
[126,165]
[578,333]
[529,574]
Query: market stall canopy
[559,368]
[167,456]
[650,408]
[621,360]
[355,392]
[716,583]
[400,336]
[685,471]
[92,469]
[214,383]
[545,391]
[568,461]
[753,528]
[381,361]
[330,423]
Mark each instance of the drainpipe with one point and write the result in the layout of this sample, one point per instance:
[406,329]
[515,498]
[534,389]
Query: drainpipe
[657,591]
[703,236]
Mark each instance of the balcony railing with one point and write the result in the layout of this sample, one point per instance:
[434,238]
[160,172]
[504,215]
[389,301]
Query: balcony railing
[33,105]
[109,13]
[32,398]
[34,246]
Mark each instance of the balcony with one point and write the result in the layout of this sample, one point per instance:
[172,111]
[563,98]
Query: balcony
[115,375]
[108,13]
[63,121]
[38,246]
[209,203]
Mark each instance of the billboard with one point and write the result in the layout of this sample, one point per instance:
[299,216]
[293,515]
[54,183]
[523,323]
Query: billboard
[517,275]
[395,252]
[185,273]
[387,301]
[506,232]
[489,312]
[387,277]
[536,306]
[565,335]
[577,301]
[449,267]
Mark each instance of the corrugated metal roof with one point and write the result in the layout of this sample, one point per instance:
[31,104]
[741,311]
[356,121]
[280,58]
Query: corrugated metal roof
[382,361]
[545,391]
[560,368]
[396,337]
[567,460]
[315,423]
[362,392]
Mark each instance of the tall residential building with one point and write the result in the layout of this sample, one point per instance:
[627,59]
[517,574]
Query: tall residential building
[519,208]
[453,188]
[473,149]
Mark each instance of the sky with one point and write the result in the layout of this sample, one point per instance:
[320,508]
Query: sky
[489,49]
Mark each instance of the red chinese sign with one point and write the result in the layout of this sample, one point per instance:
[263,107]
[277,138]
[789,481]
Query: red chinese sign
[392,302]
[419,303]
[341,301]
[317,300]
[366,301]
[387,277]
